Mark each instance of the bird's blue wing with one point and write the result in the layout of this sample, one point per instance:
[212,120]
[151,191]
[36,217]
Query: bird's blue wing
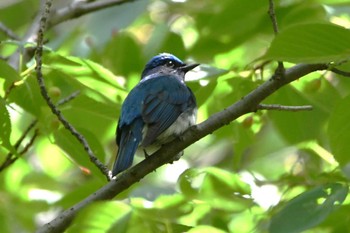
[163,105]
[129,138]
[129,131]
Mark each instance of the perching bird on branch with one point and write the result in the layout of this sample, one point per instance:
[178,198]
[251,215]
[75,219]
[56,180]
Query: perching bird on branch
[160,108]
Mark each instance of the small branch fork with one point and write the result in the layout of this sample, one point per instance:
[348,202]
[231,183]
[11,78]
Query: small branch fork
[44,93]
[11,158]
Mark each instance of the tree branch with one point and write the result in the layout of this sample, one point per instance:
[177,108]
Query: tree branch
[284,108]
[54,109]
[77,9]
[340,72]
[11,158]
[169,151]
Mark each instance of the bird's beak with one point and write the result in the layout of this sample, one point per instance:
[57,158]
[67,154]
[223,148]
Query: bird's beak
[188,67]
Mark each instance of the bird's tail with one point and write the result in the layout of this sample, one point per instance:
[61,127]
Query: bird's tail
[130,138]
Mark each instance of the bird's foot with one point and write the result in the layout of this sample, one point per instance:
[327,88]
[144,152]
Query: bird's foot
[177,157]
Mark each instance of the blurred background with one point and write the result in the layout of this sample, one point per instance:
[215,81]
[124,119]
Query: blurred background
[242,178]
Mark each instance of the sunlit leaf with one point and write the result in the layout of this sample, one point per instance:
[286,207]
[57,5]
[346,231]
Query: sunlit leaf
[165,207]
[7,72]
[99,217]
[203,228]
[216,187]
[310,43]
[75,150]
[5,126]
[338,131]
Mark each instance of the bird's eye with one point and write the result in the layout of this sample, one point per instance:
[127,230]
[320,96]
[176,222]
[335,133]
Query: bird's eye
[170,63]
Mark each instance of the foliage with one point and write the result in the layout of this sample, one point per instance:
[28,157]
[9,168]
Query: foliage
[270,171]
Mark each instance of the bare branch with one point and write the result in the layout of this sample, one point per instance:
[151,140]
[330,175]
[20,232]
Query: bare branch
[284,107]
[341,72]
[273,16]
[11,158]
[279,73]
[68,98]
[9,89]
[77,9]
[169,151]
[44,93]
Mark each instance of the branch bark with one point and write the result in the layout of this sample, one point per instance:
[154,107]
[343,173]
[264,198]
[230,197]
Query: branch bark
[166,154]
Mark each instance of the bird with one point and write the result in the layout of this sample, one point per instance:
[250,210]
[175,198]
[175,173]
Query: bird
[157,110]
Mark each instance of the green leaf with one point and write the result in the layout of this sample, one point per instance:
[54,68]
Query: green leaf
[230,24]
[169,207]
[309,209]
[7,72]
[87,72]
[300,12]
[5,126]
[216,187]
[338,131]
[68,143]
[27,95]
[116,55]
[100,216]
[307,125]
[204,228]
[310,43]
[77,192]
[84,110]
[163,40]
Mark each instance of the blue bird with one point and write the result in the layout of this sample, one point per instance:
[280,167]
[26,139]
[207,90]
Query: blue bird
[158,109]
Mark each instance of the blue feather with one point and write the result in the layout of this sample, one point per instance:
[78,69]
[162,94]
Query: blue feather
[130,138]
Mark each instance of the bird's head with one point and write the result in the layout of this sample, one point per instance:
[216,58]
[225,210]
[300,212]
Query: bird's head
[166,63]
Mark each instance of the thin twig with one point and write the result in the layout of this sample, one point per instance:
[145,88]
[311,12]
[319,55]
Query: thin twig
[284,107]
[8,32]
[54,109]
[77,9]
[11,158]
[272,15]
[280,71]
[30,143]
[68,98]
[26,131]
[9,89]
[341,72]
